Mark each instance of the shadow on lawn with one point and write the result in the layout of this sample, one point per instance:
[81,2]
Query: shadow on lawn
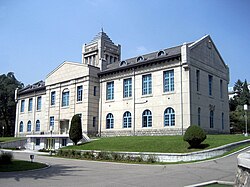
[201,146]
[53,171]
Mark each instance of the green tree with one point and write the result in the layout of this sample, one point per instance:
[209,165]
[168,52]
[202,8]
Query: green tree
[8,85]
[245,95]
[75,132]
[241,98]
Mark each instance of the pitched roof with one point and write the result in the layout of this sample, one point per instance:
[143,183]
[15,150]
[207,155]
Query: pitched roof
[101,35]
[40,85]
[146,58]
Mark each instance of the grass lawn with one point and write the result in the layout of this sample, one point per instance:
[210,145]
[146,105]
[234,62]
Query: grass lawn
[9,139]
[20,165]
[161,144]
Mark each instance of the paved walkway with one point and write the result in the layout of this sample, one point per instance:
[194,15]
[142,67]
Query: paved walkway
[69,172]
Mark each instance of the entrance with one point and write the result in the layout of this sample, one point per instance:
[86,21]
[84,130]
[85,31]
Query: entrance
[64,126]
[50,144]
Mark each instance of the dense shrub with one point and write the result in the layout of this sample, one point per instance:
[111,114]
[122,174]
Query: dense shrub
[194,136]
[103,155]
[6,158]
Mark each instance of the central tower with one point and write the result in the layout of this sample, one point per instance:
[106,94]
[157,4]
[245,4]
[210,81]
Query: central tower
[101,51]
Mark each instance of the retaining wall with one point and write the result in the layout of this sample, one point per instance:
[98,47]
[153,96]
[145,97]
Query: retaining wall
[14,144]
[180,157]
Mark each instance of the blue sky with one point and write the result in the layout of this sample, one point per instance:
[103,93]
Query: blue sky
[38,35]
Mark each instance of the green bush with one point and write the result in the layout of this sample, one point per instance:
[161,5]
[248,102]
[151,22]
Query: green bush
[194,136]
[6,158]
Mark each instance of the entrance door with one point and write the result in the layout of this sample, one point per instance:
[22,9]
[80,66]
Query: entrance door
[64,126]
[50,143]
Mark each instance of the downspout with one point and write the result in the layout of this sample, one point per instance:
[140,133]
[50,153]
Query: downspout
[100,109]
[34,117]
[59,114]
[17,129]
[181,100]
[134,101]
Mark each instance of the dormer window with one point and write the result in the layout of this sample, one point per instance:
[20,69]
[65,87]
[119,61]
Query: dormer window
[139,59]
[161,53]
[123,63]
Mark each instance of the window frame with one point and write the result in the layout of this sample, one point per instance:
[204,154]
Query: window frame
[65,98]
[22,105]
[169,117]
[21,126]
[211,119]
[38,141]
[199,116]
[127,120]
[147,84]
[222,121]
[52,122]
[52,98]
[79,96]
[197,80]
[147,119]
[39,103]
[109,121]
[29,126]
[221,89]
[168,81]
[210,85]
[30,105]
[127,87]
[95,89]
[38,125]
[110,90]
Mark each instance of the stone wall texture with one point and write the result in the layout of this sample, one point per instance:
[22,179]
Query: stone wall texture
[242,177]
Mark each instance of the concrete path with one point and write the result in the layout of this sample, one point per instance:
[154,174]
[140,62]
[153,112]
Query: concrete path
[69,172]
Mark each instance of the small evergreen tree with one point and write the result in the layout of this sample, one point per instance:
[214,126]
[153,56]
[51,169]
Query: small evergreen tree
[75,132]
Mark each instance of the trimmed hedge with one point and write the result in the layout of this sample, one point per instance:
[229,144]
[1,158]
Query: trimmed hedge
[194,135]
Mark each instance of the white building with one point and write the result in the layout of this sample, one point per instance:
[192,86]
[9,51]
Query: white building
[160,93]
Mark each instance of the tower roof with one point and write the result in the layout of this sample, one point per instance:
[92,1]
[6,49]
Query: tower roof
[102,36]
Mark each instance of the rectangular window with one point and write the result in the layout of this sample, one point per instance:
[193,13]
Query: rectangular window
[221,89]
[64,142]
[110,90]
[39,103]
[222,121]
[51,122]
[94,121]
[94,60]
[37,141]
[127,87]
[198,80]
[168,81]
[95,90]
[30,104]
[65,98]
[146,84]
[211,119]
[210,84]
[22,105]
[79,93]
[52,98]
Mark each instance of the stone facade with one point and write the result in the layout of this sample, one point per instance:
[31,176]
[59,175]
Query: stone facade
[160,93]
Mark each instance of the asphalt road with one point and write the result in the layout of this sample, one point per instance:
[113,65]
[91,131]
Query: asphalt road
[69,172]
